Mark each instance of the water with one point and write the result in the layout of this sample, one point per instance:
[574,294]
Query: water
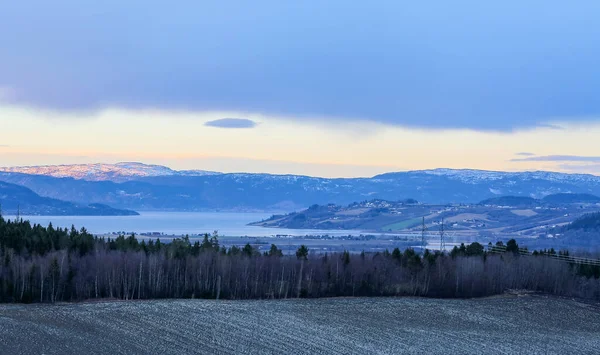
[179,223]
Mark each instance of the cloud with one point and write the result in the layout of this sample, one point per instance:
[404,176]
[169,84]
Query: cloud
[558,158]
[549,126]
[581,168]
[475,65]
[231,123]
[525,154]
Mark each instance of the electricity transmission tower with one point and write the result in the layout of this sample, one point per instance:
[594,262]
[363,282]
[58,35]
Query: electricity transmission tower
[423,230]
[442,241]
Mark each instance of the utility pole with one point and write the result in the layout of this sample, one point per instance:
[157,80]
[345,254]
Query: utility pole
[18,213]
[423,229]
[442,241]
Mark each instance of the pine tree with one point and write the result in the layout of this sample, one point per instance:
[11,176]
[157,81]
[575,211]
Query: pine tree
[274,251]
[346,257]
[302,252]
[512,246]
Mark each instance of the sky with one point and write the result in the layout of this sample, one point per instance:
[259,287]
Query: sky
[325,88]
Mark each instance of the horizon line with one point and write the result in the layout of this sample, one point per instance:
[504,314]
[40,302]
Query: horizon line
[4,169]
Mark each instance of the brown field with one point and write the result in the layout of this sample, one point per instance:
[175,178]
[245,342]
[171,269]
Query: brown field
[498,325]
[524,213]
[460,217]
[353,212]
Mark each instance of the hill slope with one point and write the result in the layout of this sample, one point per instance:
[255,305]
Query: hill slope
[401,217]
[588,222]
[306,326]
[571,198]
[515,201]
[15,198]
[553,199]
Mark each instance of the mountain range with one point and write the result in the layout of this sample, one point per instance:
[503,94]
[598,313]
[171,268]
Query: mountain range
[15,199]
[104,172]
[150,187]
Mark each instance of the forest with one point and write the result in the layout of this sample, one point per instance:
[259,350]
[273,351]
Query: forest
[47,264]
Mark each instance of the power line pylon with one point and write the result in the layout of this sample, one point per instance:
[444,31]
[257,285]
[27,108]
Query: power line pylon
[423,230]
[442,240]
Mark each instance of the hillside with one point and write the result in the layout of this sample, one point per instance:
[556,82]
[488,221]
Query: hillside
[587,222]
[142,187]
[401,217]
[348,326]
[515,201]
[14,198]
[368,215]
[583,231]
[553,199]
[571,198]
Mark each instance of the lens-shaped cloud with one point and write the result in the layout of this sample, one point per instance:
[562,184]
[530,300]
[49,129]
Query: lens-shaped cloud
[557,158]
[231,123]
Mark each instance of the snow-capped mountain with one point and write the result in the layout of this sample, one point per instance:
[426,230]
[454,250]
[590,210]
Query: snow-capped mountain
[475,176]
[147,187]
[104,172]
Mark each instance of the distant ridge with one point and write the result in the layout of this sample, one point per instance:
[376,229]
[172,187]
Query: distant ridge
[474,175]
[104,172]
[571,198]
[144,187]
[125,171]
[18,199]
[554,199]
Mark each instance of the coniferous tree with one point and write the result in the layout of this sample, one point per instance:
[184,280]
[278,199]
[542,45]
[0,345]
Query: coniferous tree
[48,264]
[274,251]
[512,246]
[302,252]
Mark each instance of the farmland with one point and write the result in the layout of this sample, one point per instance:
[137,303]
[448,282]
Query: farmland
[497,325]
[403,224]
[467,221]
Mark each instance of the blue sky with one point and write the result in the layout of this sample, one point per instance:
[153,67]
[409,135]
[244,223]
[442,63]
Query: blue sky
[462,65]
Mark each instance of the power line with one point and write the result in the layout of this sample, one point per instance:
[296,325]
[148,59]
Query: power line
[566,258]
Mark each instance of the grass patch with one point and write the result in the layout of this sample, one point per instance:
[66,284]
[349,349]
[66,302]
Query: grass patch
[403,224]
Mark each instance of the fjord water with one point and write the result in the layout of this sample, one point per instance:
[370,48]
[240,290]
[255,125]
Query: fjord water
[178,223]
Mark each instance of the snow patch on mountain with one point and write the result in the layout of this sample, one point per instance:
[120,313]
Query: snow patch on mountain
[474,176]
[103,172]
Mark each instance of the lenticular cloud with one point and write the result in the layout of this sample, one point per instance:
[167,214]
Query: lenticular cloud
[231,123]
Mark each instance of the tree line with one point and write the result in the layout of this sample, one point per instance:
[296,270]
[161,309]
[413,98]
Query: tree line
[47,264]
